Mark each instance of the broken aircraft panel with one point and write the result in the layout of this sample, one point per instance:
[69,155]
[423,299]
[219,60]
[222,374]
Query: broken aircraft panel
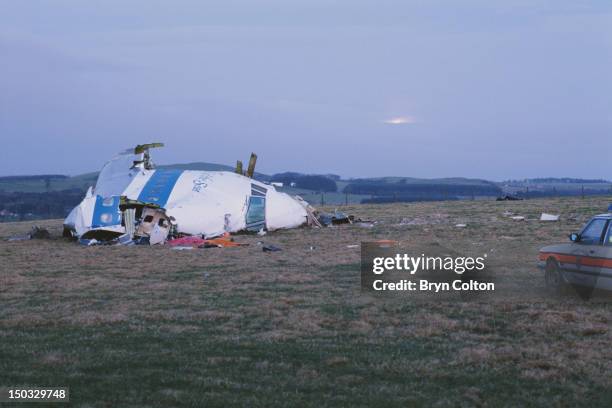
[129,190]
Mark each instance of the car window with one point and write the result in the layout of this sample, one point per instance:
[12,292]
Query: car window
[609,235]
[592,233]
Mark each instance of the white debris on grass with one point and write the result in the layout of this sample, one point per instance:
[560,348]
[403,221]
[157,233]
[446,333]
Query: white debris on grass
[549,217]
[430,219]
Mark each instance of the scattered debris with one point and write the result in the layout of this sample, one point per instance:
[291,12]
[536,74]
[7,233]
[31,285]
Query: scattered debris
[461,225]
[223,241]
[89,242]
[353,246]
[125,239]
[549,217]
[39,233]
[338,217]
[35,233]
[142,241]
[20,238]
[408,221]
[509,197]
[209,245]
[189,241]
[430,219]
[270,248]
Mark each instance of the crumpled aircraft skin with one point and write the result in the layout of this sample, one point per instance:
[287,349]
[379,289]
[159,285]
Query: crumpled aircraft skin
[209,203]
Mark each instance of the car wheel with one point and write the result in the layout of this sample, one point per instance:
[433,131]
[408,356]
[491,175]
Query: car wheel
[553,278]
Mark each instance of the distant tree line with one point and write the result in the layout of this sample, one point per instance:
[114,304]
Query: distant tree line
[18,206]
[309,182]
[421,190]
[567,180]
[562,193]
[398,198]
[39,177]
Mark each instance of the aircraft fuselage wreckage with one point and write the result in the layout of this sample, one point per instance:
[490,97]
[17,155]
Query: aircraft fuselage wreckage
[132,199]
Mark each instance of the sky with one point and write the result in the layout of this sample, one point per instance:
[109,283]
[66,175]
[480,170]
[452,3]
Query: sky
[430,88]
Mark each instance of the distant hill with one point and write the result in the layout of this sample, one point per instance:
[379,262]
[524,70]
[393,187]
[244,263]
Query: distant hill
[313,182]
[407,189]
[555,187]
[555,180]
[44,183]
[412,180]
[57,182]
[35,177]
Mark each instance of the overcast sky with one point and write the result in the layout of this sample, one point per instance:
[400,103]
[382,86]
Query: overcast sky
[431,88]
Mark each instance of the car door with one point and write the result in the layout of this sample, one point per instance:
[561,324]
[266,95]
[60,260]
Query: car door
[587,251]
[604,259]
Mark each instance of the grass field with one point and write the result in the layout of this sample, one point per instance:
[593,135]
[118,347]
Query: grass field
[149,326]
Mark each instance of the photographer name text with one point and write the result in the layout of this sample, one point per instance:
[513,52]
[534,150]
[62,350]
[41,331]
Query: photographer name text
[426,286]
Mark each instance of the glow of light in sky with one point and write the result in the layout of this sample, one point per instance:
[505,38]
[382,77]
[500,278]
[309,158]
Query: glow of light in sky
[400,120]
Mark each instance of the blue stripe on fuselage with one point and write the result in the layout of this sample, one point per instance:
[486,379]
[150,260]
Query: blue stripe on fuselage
[159,187]
[106,212]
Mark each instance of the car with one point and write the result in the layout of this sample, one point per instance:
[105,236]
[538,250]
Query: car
[585,262]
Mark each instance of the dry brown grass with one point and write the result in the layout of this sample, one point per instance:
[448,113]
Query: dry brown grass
[299,293]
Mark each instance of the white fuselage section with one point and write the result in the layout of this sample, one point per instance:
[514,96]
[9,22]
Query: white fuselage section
[198,202]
